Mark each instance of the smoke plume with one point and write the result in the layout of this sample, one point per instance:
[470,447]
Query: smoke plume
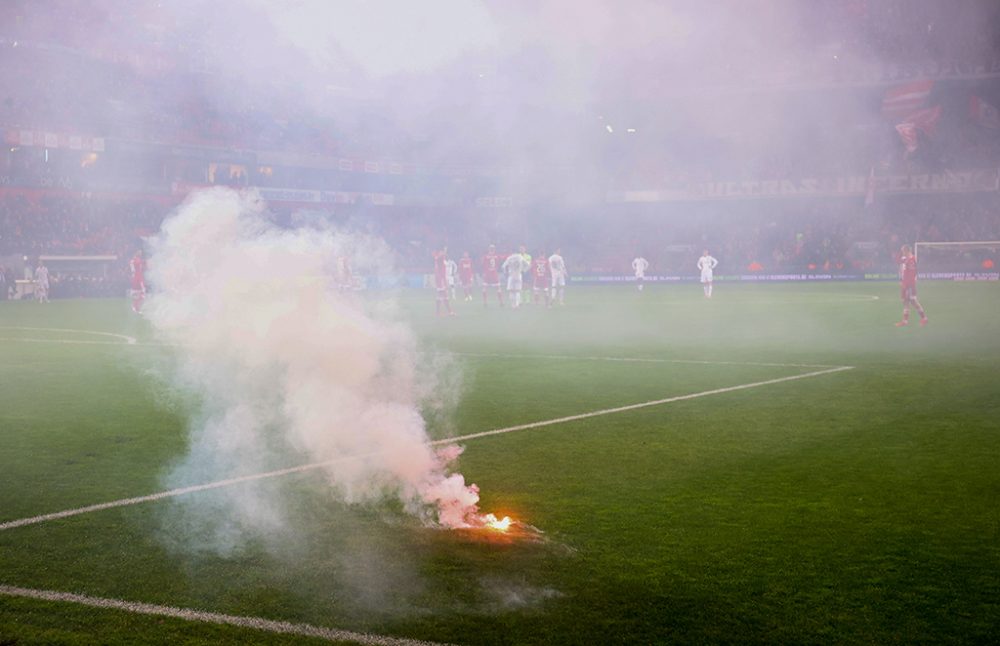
[285,362]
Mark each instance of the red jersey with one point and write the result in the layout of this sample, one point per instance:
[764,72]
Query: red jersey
[491,269]
[540,271]
[137,267]
[465,271]
[908,271]
[440,269]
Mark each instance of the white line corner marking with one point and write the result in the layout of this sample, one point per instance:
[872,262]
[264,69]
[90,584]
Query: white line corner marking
[471,436]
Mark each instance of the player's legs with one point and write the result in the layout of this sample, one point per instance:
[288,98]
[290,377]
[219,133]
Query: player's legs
[640,280]
[708,286]
[138,296]
[559,288]
[443,305]
[909,297]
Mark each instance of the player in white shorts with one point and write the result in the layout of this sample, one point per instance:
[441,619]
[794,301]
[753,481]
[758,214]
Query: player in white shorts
[514,266]
[451,272]
[557,268]
[42,283]
[640,265]
[706,264]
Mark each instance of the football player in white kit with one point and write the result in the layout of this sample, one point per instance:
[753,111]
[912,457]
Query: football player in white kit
[557,268]
[706,264]
[640,265]
[451,272]
[42,283]
[514,266]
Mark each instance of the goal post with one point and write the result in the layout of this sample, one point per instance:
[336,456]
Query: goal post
[962,260]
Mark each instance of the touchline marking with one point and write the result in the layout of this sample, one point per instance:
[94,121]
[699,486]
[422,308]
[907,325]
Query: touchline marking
[255,623]
[709,362]
[129,340]
[471,436]
[564,357]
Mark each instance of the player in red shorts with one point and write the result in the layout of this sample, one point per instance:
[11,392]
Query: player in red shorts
[540,280]
[466,275]
[908,286]
[137,269]
[441,282]
[491,274]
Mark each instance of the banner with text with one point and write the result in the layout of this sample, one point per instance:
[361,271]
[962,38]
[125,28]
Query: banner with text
[954,182]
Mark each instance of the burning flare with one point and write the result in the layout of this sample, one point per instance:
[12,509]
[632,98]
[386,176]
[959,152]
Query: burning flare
[490,521]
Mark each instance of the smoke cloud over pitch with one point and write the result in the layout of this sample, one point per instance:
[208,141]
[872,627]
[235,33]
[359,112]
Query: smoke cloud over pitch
[286,364]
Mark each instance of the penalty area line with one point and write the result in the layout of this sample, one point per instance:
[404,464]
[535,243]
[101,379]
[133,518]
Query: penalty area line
[254,623]
[460,438]
[655,402]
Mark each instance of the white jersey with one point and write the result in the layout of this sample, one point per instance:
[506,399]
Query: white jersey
[640,265]
[557,270]
[557,265]
[515,264]
[706,264]
[450,270]
[42,277]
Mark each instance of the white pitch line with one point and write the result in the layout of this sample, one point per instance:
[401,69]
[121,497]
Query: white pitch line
[565,357]
[64,341]
[655,402]
[254,623]
[709,362]
[130,340]
[315,465]
[165,494]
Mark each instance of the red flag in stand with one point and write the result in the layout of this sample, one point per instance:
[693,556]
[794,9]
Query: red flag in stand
[924,121]
[905,99]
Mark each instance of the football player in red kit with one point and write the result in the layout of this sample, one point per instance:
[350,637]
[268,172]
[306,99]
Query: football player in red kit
[441,282]
[491,274]
[465,275]
[137,269]
[908,286]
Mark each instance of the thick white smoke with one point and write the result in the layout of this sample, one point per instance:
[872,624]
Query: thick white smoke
[284,362]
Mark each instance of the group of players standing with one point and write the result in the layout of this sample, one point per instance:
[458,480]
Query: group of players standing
[548,276]
[706,265]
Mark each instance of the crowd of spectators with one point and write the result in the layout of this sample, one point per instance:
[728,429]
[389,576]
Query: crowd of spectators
[74,225]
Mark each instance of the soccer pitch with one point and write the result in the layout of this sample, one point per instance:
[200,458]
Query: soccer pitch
[778,464]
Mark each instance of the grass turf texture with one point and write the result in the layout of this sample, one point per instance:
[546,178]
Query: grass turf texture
[860,506]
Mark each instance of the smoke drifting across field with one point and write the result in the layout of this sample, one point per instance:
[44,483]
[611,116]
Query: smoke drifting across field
[283,363]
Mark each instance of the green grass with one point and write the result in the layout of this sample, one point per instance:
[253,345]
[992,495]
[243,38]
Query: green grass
[855,507]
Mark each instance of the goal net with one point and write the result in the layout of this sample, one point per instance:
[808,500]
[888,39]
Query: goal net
[971,260]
